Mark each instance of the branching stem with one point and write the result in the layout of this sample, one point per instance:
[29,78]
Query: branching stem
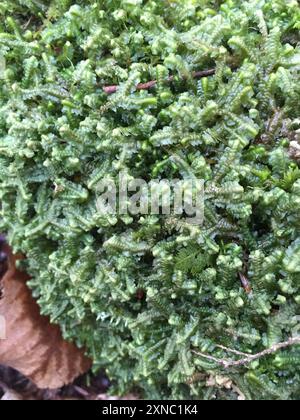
[248,358]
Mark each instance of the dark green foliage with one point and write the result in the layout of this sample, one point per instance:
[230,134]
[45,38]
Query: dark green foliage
[141,293]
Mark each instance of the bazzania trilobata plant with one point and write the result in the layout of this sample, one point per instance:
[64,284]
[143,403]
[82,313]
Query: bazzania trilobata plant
[147,295]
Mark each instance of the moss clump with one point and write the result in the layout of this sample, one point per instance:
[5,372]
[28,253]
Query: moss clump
[143,292]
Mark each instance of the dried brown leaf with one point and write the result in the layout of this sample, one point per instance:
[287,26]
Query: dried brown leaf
[12,396]
[219,381]
[33,346]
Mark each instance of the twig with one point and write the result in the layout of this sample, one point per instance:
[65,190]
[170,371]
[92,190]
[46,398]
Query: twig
[245,283]
[4,387]
[239,353]
[109,90]
[28,23]
[250,358]
[81,391]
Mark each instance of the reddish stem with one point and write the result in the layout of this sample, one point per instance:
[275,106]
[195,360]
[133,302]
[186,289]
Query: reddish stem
[109,90]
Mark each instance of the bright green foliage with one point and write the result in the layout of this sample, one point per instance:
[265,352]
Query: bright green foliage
[143,292]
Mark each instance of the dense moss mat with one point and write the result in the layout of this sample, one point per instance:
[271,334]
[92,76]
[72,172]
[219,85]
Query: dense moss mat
[144,292]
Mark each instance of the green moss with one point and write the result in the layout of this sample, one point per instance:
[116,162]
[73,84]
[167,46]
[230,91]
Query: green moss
[142,292]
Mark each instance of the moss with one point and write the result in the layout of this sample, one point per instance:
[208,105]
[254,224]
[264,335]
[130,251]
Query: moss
[141,292]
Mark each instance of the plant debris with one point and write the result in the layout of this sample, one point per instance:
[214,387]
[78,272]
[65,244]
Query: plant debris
[32,345]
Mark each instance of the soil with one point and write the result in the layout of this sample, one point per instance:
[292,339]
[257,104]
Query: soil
[14,386]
